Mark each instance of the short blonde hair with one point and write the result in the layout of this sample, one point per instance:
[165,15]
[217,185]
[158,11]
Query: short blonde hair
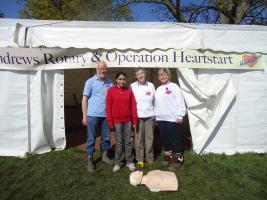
[166,71]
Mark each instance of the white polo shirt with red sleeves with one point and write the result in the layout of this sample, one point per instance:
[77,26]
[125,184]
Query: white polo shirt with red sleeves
[144,96]
[169,102]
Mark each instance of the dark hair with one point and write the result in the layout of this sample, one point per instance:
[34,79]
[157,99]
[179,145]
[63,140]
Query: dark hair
[120,73]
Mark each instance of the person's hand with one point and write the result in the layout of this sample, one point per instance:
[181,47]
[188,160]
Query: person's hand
[84,121]
[179,120]
[134,126]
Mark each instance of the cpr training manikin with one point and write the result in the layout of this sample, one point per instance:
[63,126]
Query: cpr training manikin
[155,180]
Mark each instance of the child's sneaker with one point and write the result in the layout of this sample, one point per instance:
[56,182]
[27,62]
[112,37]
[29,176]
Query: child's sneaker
[140,164]
[116,168]
[131,166]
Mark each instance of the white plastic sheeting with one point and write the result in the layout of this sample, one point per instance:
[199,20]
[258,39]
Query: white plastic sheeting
[120,35]
[146,35]
[31,112]
[227,110]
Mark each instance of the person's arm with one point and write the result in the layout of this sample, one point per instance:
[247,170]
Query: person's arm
[134,111]
[153,93]
[181,105]
[84,109]
[109,109]
[87,91]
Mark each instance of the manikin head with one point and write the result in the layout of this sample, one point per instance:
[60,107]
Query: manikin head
[136,178]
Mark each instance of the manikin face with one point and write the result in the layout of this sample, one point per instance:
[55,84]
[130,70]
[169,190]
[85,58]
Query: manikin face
[136,178]
[101,70]
[121,81]
[163,77]
[141,76]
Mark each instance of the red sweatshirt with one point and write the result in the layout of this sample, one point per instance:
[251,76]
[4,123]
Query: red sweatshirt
[120,106]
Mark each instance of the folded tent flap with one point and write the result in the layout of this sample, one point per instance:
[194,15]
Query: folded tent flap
[208,99]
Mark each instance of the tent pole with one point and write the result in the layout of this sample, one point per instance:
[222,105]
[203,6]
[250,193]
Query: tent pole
[29,112]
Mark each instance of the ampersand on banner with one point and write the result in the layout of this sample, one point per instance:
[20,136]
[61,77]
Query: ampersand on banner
[96,57]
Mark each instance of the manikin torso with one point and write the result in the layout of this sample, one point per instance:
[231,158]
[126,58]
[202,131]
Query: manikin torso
[158,180]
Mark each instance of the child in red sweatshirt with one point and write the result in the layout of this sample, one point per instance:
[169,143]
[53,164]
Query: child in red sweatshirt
[122,115]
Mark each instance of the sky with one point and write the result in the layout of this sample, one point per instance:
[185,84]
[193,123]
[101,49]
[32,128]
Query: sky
[141,12]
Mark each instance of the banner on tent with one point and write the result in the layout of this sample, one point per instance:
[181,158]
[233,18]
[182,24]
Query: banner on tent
[56,58]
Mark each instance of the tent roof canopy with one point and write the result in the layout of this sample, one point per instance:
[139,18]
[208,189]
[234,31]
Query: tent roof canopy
[132,35]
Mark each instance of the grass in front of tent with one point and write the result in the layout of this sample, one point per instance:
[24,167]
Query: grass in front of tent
[63,175]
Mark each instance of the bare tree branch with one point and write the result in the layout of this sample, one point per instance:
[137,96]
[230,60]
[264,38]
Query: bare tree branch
[208,11]
[2,15]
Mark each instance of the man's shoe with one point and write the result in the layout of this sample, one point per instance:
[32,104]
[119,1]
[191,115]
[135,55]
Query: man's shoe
[90,165]
[106,159]
[176,161]
[131,166]
[116,168]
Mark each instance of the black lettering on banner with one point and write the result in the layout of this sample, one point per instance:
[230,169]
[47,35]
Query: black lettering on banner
[36,60]
[13,60]
[48,59]
[176,56]
[122,58]
[59,60]
[230,57]
[95,57]
[26,60]
[6,58]
[17,59]
[109,56]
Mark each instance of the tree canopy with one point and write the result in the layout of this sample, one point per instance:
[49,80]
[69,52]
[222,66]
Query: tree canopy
[209,11]
[101,10]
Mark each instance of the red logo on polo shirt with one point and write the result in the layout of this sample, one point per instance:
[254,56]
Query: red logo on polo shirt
[168,91]
[148,93]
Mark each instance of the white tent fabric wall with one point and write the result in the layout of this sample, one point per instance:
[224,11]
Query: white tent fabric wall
[27,101]
[227,109]
[13,109]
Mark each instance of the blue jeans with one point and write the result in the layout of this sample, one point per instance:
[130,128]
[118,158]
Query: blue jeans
[93,124]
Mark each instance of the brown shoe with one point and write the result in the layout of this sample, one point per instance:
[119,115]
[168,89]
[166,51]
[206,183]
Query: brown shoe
[166,160]
[106,159]
[176,161]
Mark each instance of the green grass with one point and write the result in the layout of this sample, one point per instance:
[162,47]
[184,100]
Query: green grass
[63,175]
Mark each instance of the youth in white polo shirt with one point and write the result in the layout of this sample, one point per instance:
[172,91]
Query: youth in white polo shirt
[169,103]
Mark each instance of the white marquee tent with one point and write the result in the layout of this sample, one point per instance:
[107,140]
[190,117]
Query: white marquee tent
[227,108]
